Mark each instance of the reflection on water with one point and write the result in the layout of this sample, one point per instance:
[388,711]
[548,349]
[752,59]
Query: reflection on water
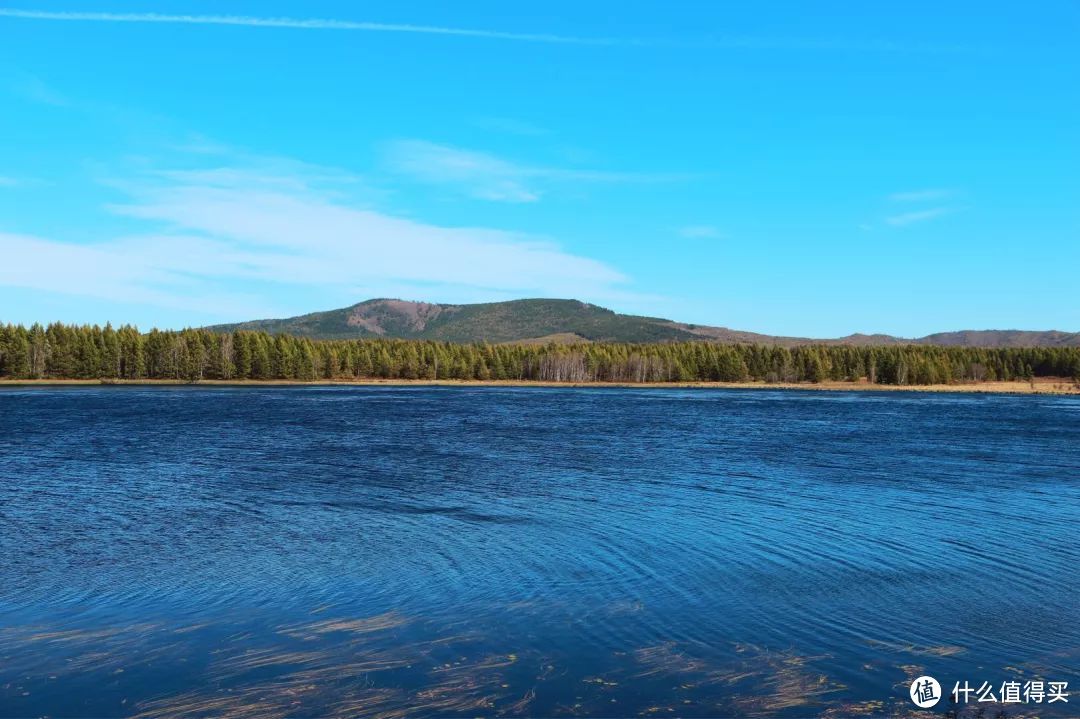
[189,552]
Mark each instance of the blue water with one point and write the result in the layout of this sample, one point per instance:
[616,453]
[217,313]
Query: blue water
[263,552]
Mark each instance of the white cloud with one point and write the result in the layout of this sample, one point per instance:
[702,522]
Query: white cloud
[488,177]
[106,272]
[215,230]
[910,218]
[8,181]
[928,195]
[700,232]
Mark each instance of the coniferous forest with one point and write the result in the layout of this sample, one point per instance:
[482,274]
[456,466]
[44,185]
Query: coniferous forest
[91,352]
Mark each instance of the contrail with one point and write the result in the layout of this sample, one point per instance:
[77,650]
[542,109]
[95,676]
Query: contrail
[716,42]
[307,24]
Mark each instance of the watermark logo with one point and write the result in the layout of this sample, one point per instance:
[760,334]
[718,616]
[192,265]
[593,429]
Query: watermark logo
[925,692]
[1012,692]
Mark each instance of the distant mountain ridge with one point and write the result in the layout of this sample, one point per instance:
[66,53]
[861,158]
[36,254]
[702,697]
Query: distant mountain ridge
[544,320]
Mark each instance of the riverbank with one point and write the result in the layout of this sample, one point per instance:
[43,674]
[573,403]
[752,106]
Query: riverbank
[1041,385]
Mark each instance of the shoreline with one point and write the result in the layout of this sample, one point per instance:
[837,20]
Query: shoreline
[1044,385]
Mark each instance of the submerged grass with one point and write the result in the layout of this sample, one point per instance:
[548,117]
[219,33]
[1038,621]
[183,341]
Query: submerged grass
[342,666]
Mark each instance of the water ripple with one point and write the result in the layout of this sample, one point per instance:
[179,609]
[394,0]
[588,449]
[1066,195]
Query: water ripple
[391,551]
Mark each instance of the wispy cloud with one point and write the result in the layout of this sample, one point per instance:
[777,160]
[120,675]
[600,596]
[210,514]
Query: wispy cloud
[700,232]
[933,195]
[61,267]
[476,174]
[31,87]
[729,42]
[303,24]
[509,126]
[212,236]
[488,177]
[928,195]
[20,182]
[910,218]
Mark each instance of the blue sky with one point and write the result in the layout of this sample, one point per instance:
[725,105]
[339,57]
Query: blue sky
[784,167]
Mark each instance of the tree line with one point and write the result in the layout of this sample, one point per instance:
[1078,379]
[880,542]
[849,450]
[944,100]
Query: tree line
[59,351]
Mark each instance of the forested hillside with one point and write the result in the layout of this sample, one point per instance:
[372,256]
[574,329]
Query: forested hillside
[511,321]
[84,352]
[541,320]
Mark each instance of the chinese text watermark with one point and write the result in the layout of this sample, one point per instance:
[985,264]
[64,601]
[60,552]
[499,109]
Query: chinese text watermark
[926,692]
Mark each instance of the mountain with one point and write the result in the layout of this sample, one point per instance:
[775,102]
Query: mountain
[545,320]
[1003,338]
[514,321]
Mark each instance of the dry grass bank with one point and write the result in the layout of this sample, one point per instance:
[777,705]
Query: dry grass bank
[1041,385]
